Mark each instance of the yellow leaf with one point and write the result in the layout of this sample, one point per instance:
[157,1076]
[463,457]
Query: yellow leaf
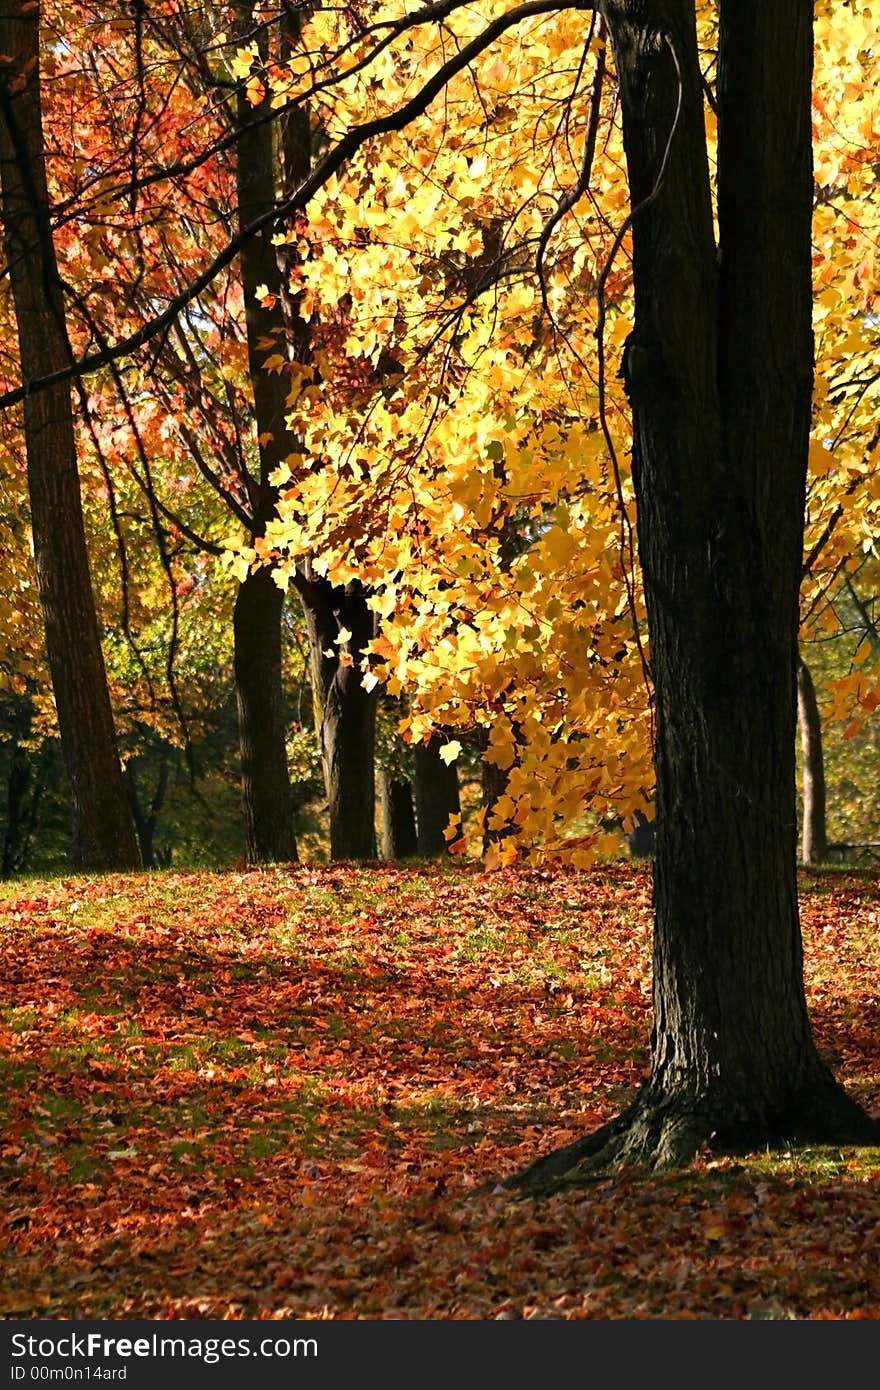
[714,1227]
[450,751]
[453,829]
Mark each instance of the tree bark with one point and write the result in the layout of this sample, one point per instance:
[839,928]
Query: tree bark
[718,372]
[814,840]
[642,837]
[102,832]
[345,713]
[264,777]
[146,820]
[257,624]
[437,797]
[24,789]
[397,818]
[493,783]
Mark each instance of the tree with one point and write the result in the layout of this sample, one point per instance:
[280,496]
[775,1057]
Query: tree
[718,372]
[814,840]
[259,603]
[719,375]
[437,796]
[103,834]
[272,153]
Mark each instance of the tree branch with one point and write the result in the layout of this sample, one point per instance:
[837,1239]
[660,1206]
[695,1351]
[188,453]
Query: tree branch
[320,175]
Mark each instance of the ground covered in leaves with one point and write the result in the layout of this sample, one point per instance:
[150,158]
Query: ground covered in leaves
[289,1093]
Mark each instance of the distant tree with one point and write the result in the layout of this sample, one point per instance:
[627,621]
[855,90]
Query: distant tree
[814,840]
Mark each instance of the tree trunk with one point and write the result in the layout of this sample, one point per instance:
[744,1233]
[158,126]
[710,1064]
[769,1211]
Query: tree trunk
[265,780]
[145,821]
[437,797]
[24,789]
[345,713]
[642,837]
[397,818]
[493,783]
[718,372]
[257,626]
[103,835]
[814,842]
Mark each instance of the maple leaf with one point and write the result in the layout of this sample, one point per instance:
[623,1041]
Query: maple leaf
[450,751]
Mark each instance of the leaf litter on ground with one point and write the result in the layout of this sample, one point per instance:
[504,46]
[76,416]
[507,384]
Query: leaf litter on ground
[288,1093]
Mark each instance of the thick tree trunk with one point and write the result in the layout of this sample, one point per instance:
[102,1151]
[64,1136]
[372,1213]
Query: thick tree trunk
[718,372]
[103,835]
[265,779]
[345,713]
[396,815]
[437,797]
[259,693]
[814,841]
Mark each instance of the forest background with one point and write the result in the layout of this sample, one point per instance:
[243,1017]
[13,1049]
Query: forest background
[362,507]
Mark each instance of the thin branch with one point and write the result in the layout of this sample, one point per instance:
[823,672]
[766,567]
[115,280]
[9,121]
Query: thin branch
[567,202]
[324,170]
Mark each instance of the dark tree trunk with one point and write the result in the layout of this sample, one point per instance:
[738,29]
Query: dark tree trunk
[16,800]
[103,835]
[345,713]
[493,782]
[265,779]
[437,797]
[718,373]
[397,817]
[814,841]
[24,789]
[642,837]
[146,820]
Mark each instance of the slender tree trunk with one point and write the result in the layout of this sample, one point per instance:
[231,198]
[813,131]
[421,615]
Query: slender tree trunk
[437,797]
[103,835]
[345,713]
[397,819]
[814,841]
[24,789]
[257,626]
[146,820]
[642,837]
[493,781]
[718,373]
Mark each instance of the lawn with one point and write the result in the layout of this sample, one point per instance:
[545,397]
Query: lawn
[291,1093]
